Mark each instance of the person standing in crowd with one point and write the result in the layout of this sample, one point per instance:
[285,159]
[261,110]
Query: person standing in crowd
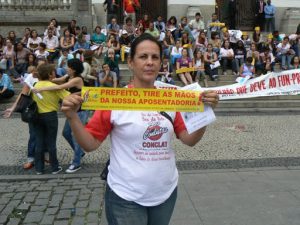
[112,7]
[130,8]
[196,25]
[260,14]
[213,28]
[72,82]
[270,11]
[232,14]
[31,79]
[6,86]
[131,182]
[46,125]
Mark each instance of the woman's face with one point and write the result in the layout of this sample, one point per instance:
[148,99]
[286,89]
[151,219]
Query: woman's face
[19,47]
[202,34]
[296,59]
[209,48]
[67,33]
[112,37]
[226,44]
[34,34]
[98,30]
[253,47]
[146,63]
[12,34]
[31,58]
[70,71]
[8,43]
[198,55]
[184,52]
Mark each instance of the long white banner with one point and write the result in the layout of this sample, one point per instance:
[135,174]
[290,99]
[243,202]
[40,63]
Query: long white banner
[272,84]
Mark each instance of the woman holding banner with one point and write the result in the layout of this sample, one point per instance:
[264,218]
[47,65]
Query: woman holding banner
[133,185]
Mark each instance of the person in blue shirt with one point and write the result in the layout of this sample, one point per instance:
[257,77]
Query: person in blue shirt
[6,87]
[270,11]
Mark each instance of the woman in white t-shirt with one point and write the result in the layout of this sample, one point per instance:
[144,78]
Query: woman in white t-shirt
[227,56]
[34,41]
[142,178]
[30,80]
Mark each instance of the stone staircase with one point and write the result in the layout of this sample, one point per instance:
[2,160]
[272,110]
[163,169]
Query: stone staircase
[260,104]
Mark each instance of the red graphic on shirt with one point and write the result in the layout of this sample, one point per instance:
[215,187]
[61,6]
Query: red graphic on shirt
[154,132]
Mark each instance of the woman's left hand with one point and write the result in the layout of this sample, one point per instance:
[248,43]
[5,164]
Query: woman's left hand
[210,98]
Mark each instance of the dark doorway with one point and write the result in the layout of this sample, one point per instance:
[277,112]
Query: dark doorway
[245,16]
[154,8]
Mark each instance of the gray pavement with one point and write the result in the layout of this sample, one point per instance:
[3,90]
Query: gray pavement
[265,196]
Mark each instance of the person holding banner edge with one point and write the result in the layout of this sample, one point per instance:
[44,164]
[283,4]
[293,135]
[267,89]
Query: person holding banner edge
[134,193]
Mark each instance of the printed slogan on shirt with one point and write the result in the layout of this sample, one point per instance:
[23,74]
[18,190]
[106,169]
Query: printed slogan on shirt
[141,99]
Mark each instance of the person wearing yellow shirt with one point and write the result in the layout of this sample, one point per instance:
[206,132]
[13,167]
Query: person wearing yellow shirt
[46,125]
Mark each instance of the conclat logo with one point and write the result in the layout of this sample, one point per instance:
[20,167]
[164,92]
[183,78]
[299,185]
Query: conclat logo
[154,132]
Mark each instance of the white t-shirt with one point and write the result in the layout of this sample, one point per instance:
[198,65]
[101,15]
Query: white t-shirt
[41,55]
[30,80]
[226,52]
[142,162]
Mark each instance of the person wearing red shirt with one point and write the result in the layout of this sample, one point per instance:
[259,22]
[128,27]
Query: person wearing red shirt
[130,7]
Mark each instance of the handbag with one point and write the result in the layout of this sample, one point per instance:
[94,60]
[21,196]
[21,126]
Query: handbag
[30,113]
[23,102]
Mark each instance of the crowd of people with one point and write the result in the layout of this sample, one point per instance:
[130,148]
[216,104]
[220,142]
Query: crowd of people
[192,50]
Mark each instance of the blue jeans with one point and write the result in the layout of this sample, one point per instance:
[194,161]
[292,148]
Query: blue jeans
[67,133]
[122,212]
[31,142]
[46,134]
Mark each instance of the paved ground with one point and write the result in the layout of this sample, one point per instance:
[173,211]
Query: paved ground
[269,196]
[240,196]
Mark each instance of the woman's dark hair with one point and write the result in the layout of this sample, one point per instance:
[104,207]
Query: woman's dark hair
[44,71]
[223,45]
[292,62]
[96,28]
[140,39]
[56,23]
[34,57]
[172,18]
[242,45]
[249,59]
[43,45]
[32,32]
[77,66]
[65,30]
[128,19]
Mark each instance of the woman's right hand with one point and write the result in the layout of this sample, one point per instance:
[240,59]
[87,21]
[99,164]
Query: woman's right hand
[7,113]
[71,105]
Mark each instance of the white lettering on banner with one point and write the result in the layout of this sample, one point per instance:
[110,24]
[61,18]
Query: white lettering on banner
[272,84]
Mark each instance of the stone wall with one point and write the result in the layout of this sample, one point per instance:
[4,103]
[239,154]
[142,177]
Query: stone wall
[37,16]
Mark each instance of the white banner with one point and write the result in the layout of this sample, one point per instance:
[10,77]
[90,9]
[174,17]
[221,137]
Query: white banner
[272,84]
